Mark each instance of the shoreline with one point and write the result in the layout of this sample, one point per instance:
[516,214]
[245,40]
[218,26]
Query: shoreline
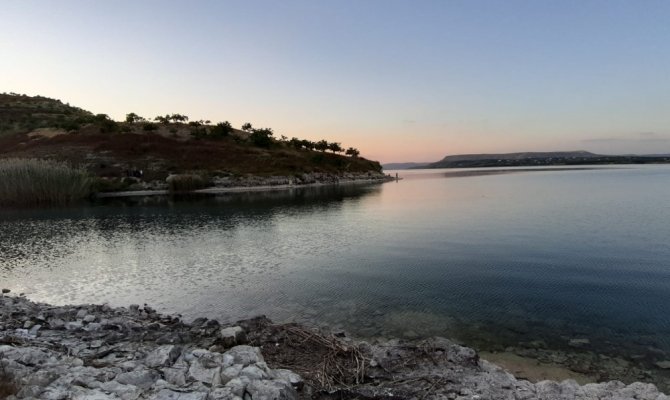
[243,189]
[96,351]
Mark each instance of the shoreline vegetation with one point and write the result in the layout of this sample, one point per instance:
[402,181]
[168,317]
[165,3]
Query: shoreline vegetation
[96,351]
[167,153]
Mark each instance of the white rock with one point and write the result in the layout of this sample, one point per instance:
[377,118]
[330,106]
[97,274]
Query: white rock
[245,355]
[162,356]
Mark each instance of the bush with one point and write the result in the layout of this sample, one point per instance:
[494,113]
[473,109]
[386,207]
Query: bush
[149,127]
[32,181]
[261,137]
[222,129]
[186,183]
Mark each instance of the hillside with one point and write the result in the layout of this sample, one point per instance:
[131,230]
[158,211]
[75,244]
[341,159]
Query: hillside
[39,127]
[541,159]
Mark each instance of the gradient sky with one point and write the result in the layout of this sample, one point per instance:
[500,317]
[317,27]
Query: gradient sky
[400,80]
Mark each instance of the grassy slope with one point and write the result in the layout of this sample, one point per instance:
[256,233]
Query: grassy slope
[170,149]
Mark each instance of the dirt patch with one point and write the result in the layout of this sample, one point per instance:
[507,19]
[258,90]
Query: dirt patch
[46,132]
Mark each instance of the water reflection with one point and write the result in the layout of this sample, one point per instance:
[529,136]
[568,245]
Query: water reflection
[491,259]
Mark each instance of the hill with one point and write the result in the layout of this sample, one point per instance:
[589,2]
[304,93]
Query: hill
[407,165]
[541,159]
[139,153]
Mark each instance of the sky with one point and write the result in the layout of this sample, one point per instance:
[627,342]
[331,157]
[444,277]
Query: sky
[400,80]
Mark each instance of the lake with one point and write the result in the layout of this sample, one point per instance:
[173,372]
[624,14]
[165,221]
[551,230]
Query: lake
[492,258]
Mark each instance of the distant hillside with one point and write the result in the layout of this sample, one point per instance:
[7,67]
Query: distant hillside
[540,159]
[39,127]
[21,114]
[407,165]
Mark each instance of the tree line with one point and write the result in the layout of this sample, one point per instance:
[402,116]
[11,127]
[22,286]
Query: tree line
[260,137]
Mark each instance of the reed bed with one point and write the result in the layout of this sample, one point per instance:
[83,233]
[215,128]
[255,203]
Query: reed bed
[33,181]
[185,183]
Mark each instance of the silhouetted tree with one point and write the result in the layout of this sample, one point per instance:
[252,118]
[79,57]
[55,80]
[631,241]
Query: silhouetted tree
[261,137]
[352,152]
[335,147]
[247,127]
[163,120]
[321,145]
[132,118]
[222,129]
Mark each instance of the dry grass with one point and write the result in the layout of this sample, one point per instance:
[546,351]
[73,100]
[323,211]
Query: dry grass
[32,181]
[324,361]
[184,183]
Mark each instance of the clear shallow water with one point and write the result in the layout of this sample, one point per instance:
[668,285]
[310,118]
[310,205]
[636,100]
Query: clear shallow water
[490,258]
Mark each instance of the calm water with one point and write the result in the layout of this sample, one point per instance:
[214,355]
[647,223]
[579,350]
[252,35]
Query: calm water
[492,259]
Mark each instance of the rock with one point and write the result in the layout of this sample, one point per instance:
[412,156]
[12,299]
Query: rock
[28,324]
[162,356]
[289,376]
[5,291]
[253,372]
[221,393]
[663,364]
[230,373]
[176,375]
[89,318]
[168,394]
[232,336]
[271,390]
[73,325]
[245,355]
[81,314]
[579,342]
[34,330]
[142,378]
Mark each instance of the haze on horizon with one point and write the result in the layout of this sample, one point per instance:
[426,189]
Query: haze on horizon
[400,80]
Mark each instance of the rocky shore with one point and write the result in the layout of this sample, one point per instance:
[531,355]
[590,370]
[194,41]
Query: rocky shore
[234,183]
[99,352]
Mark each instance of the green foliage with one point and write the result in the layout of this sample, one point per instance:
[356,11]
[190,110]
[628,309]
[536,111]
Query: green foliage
[186,183]
[33,181]
[106,124]
[149,127]
[261,137]
[222,129]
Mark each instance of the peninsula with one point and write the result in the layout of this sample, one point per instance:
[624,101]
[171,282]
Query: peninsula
[169,152]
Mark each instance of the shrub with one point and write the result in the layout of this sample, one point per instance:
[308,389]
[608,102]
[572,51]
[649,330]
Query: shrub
[186,183]
[32,181]
[149,127]
[261,137]
[222,129]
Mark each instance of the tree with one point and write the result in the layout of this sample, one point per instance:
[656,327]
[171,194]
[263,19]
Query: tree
[163,120]
[178,118]
[321,145]
[296,143]
[247,127]
[335,147]
[261,137]
[222,129]
[308,144]
[133,118]
[352,152]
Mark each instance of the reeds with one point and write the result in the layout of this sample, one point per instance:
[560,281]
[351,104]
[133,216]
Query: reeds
[185,183]
[34,181]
